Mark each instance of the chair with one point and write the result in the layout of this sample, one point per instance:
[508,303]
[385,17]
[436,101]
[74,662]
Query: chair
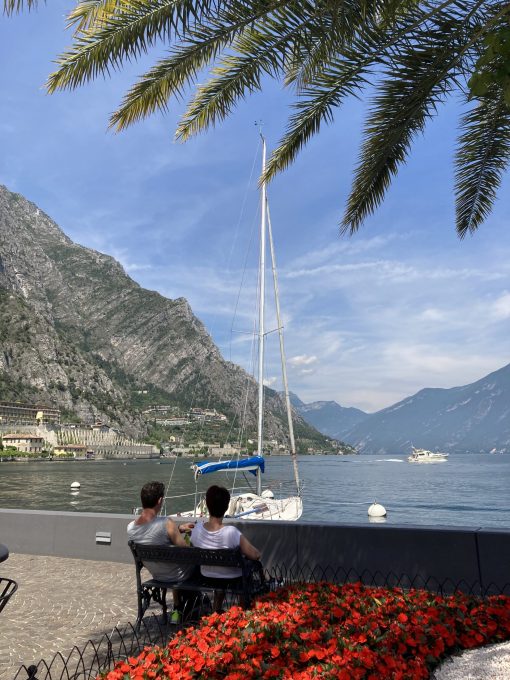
[7,589]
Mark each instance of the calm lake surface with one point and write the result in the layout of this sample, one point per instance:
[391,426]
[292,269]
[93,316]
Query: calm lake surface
[467,490]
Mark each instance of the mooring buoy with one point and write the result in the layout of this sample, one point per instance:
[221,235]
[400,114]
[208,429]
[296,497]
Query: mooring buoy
[376,510]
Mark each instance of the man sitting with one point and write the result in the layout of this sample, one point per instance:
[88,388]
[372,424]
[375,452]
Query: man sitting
[214,534]
[149,529]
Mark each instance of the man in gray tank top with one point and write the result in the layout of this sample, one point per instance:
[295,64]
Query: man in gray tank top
[149,529]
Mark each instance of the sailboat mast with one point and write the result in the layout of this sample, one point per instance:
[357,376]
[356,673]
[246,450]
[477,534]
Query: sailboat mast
[282,355]
[262,295]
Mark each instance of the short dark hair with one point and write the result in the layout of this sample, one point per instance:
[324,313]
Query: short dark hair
[217,499]
[151,493]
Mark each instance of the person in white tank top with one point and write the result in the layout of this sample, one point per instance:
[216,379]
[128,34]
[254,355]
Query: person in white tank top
[215,535]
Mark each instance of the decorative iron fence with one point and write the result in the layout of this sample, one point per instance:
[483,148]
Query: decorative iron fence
[101,654]
[96,656]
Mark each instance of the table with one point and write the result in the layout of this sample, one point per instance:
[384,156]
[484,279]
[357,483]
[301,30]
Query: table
[4,553]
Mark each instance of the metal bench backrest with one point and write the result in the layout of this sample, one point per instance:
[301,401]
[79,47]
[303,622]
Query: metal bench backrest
[177,555]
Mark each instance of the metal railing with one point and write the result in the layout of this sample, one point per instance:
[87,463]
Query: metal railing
[96,656]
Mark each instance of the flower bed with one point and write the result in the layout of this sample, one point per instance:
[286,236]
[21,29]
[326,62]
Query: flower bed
[322,630]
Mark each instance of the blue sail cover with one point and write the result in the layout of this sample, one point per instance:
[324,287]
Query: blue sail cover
[247,464]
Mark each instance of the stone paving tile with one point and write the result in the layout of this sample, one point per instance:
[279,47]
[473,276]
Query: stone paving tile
[61,602]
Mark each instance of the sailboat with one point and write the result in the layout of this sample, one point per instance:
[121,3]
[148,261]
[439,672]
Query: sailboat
[258,503]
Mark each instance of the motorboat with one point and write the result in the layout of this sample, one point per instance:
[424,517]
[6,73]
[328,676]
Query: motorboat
[424,456]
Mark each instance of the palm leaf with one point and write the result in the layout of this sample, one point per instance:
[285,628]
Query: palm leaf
[122,36]
[90,13]
[482,157]
[409,95]
[13,6]
[343,77]
[200,49]
[166,79]
[262,48]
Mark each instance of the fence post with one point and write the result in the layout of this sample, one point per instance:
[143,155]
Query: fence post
[31,670]
[478,564]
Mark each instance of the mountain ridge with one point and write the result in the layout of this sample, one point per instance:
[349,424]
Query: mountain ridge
[329,417]
[79,332]
[470,418]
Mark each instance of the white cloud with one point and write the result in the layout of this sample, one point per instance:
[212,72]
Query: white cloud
[501,307]
[134,267]
[302,360]
[348,247]
[432,314]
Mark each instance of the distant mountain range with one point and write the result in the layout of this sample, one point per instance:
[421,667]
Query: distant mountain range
[474,418]
[329,417]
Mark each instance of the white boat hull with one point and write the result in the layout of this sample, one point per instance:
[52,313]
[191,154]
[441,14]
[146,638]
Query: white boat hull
[250,506]
[424,456]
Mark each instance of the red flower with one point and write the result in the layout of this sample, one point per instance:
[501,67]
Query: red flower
[349,632]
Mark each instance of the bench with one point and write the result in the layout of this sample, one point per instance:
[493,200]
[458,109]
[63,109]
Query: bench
[252,582]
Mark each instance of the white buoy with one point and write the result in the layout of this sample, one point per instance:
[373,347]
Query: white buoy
[75,485]
[376,510]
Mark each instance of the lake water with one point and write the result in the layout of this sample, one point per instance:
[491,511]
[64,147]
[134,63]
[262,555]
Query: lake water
[467,490]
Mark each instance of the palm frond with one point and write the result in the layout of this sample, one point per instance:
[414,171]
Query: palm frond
[408,96]
[481,158]
[121,36]
[166,79]
[90,13]
[235,28]
[214,101]
[261,48]
[14,6]
[336,27]
[343,77]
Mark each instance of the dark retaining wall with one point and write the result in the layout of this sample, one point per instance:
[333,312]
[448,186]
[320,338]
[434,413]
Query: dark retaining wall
[476,559]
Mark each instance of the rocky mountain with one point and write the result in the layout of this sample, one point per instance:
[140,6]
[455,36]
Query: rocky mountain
[474,418]
[329,417]
[75,330]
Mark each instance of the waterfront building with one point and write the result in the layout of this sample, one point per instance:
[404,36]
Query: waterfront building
[29,443]
[71,450]
[225,451]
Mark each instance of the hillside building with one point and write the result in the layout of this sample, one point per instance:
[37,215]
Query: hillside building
[17,413]
[207,414]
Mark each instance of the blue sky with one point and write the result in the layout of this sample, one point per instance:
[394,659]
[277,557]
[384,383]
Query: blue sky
[369,319]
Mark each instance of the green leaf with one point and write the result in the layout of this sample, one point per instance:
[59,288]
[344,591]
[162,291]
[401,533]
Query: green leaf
[482,157]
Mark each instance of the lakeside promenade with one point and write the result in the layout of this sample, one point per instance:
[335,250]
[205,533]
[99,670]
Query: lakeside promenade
[63,602]
[60,603]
